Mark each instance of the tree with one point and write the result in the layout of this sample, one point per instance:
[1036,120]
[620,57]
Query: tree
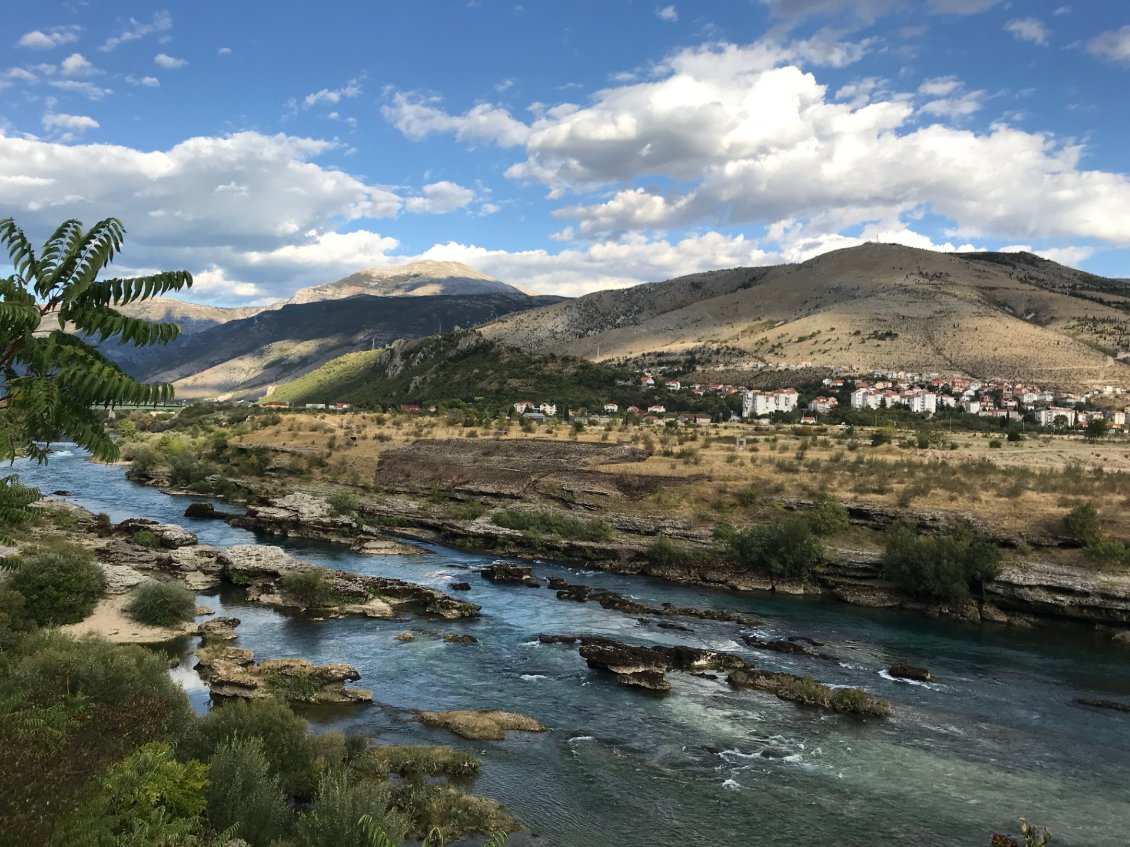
[1096,430]
[54,312]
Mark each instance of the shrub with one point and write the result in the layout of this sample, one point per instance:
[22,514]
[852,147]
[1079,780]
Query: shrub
[161,604]
[827,515]
[663,551]
[245,798]
[1013,435]
[283,733]
[59,587]
[941,569]
[996,444]
[342,503]
[415,760]
[310,588]
[339,806]
[1082,523]
[146,538]
[566,526]
[785,549]
[1108,551]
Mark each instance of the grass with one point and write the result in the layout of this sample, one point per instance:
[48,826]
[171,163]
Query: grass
[548,523]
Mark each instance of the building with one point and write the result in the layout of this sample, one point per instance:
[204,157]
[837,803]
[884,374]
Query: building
[823,405]
[922,402]
[611,408]
[866,398]
[758,404]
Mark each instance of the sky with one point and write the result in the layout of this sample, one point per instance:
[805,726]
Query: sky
[564,146]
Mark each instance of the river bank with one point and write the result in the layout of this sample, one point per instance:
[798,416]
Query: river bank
[997,735]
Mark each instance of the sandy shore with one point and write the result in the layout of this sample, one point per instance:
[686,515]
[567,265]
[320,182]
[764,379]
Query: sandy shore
[110,621]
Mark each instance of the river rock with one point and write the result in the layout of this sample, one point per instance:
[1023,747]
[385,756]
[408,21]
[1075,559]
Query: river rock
[489,725]
[256,561]
[460,586]
[169,536]
[558,639]
[219,629]
[507,573]
[787,646]
[460,638]
[232,672]
[204,509]
[902,670]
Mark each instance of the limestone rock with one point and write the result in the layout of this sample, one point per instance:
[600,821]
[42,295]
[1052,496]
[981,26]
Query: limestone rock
[489,725]
[232,672]
[902,670]
[169,536]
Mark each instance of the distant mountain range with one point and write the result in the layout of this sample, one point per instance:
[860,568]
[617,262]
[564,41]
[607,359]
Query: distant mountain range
[875,307]
[243,352]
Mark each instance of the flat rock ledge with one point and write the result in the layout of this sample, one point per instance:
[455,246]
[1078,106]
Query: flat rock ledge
[489,725]
[270,574]
[233,672]
[647,667]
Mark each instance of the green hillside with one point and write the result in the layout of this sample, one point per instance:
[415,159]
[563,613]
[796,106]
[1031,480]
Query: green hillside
[464,367]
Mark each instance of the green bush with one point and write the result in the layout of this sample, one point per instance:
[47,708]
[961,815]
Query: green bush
[342,503]
[827,515]
[1108,551]
[418,761]
[59,587]
[339,806]
[245,797]
[785,549]
[161,604]
[283,733]
[146,538]
[664,552]
[939,569]
[309,588]
[1082,523]
[996,444]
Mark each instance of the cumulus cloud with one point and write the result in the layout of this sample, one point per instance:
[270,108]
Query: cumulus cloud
[418,117]
[144,81]
[667,13]
[82,87]
[168,62]
[45,39]
[1113,45]
[77,65]
[1028,29]
[67,127]
[136,30]
[440,198]
[205,201]
[333,95]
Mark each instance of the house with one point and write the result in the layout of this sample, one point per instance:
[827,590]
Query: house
[673,385]
[647,382]
[548,409]
[523,406]
[823,405]
[612,408]
[761,403]
[275,404]
[315,405]
[343,407]
[971,406]
[656,410]
[632,410]
[410,407]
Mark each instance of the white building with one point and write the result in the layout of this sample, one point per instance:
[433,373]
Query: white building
[866,398]
[758,404]
[1047,417]
[548,409]
[922,402]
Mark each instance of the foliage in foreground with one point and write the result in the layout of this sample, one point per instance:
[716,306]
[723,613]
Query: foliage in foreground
[59,586]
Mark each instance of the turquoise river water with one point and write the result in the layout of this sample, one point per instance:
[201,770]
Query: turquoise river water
[996,737]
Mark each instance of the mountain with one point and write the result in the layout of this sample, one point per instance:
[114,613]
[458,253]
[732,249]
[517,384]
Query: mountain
[873,307]
[192,317]
[417,279]
[245,357]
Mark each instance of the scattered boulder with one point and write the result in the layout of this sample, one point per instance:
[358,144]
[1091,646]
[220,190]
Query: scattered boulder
[219,629]
[385,547]
[902,670]
[510,574]
[556,583]
[559,639]
[204,611]
[204,509]
[579,593]
[787,646]
[674,626]
[249,562]
[460,638]
[460,586]
[62,493]
[405,637]
[808,692]
[489,725]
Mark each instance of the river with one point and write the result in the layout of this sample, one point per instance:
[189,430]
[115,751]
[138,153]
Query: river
[996,737]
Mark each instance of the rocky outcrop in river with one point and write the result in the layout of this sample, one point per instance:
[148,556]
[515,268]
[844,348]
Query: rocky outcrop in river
[233,672]
[488,725]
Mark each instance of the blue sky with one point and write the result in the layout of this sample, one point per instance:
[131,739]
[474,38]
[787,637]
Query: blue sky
[565,147]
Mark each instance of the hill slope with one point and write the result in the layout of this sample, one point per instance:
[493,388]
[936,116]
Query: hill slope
[873,307]
[416,279]
[244,357]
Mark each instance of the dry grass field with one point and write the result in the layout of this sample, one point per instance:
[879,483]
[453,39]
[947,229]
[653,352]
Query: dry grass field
[1011,487]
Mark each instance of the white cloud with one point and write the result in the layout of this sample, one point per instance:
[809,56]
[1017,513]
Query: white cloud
[961,106]
[77,65]
[136,30]
[868,10]
[667,13]
[439,198]
[86,89]
[144,81]
[418,117]
[46,39]
[941,86]
[224,51]
[1113,45]
[333,96]
[72,124]
[228,201]
[164,60]
[17,75]
[1028,29]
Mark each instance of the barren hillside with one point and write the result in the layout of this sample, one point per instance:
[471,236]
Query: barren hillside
[1013,316]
